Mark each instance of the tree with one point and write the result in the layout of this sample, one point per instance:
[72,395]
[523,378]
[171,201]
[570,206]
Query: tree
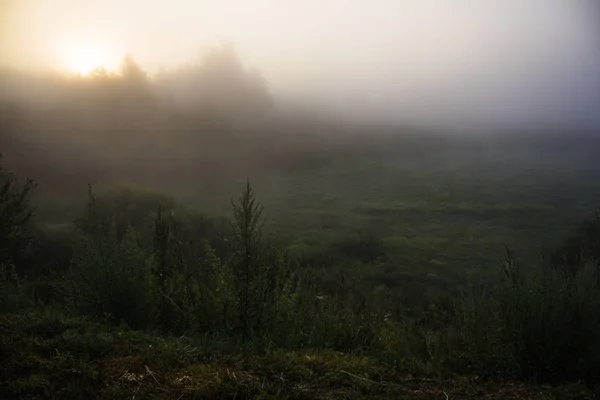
[217,83]
[134,83]
[15,212]
[255,272]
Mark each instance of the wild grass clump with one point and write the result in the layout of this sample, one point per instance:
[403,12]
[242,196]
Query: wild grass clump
[308,318]
[539,323]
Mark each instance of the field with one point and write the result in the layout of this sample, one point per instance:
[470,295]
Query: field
[410,233]
[50,356]
[441,218]
[394,262]
[433,220]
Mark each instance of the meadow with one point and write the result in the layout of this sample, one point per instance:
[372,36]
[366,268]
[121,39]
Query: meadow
[385,237]
[428,221]
[212,247]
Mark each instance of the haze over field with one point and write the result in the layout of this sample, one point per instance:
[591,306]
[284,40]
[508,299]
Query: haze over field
[449,63]
[299,199]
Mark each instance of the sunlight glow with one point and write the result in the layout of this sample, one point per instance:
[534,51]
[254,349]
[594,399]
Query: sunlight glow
[85,58]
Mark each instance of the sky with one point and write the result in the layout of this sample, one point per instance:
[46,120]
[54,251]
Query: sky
[446,61]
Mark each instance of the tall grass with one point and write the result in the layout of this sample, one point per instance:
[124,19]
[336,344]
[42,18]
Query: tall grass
[536,322]
[178,284]
[541,322]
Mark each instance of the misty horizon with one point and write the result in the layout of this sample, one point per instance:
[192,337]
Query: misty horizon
[448,64]
[308,199]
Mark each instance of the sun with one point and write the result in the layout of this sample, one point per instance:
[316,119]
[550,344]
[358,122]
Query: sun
[83,59]
[84,62]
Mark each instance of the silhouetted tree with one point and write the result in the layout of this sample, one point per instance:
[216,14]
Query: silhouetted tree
[134,82]
[15,211]
[254,271]
[217,82]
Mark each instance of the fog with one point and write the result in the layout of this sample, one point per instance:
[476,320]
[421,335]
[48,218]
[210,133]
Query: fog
[453,63]
[401,149]
[196,96]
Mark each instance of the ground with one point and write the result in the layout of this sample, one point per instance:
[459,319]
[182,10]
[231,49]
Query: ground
[46,355]
[438,219]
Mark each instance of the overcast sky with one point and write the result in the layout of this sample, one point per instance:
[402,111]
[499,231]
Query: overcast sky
[444,61]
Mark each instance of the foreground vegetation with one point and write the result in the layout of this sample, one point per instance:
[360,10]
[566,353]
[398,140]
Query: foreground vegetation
[49,355]
[139,298]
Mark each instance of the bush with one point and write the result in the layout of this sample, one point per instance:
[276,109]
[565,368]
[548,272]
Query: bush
[51,252]
[47,292]
[542,324]
[582,245]
[112,276]
[13,296]
[131,206]
[193,286]
[15,212]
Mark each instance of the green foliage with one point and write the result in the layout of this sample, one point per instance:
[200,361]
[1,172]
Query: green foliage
[46,292]
[536,323]
[365,248]
[50,252]
[193,285]
[254,267]
[582,245]
[111,275]
[306,317]
[47,354]
[15,212]
[13,296]
[130,206]
[160,272]
[540,324]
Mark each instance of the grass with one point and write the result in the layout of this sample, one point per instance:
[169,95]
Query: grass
[461,209]
[413,235]
[451,218]
[47,355]
[388,287]
[426,199]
